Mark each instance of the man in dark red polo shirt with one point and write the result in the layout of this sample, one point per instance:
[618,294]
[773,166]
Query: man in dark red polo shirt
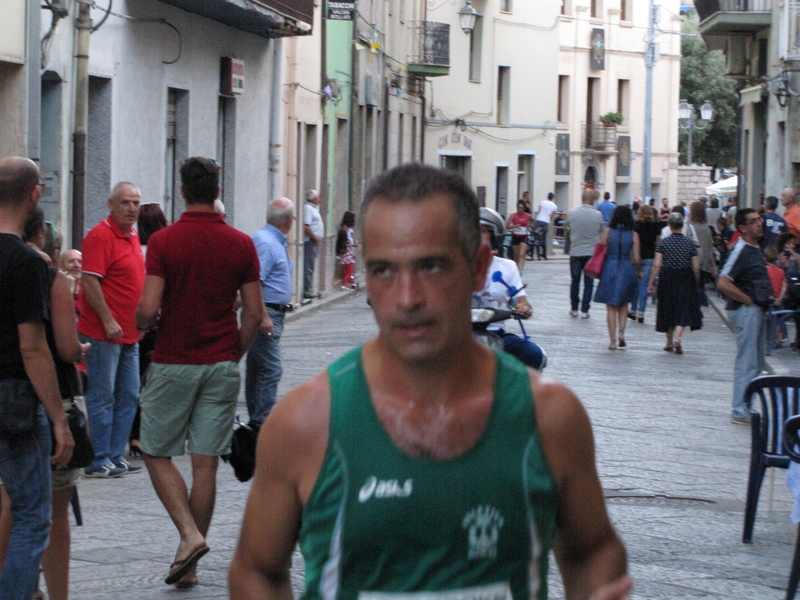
[194,269]
[113,278]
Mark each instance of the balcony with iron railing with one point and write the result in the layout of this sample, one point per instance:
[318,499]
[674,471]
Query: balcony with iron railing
[791,16]
[727,17]
[430,54]
[599,137]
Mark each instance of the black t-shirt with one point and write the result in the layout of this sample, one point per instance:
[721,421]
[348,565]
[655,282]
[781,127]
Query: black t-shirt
[744,266]
[648,232]
[23,299]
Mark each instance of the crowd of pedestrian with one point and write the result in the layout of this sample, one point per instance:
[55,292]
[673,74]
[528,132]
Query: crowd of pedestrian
[139,331]
[749,255]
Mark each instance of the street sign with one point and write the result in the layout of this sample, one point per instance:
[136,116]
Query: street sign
[341,11]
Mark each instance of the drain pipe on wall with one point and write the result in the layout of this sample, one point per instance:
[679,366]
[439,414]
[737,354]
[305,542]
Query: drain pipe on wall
[275,121]
[84,27]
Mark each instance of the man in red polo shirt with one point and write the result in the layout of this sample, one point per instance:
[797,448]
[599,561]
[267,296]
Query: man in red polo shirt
[113,278]
[194,269]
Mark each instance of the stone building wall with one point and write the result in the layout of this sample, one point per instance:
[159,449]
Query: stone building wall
[692,182]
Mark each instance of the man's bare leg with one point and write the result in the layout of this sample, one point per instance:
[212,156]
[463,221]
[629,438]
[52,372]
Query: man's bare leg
[201,501]
[174,495]
[55,560]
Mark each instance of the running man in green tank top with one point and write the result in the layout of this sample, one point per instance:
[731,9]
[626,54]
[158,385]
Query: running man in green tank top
[422,466]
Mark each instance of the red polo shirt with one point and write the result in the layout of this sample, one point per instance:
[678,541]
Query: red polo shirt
[117,259]
[203,262]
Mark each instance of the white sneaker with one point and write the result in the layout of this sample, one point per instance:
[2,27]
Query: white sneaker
[584,315]
[573,314]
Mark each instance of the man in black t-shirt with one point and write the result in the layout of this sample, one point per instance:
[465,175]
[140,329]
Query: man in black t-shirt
[744,267]
[24,355]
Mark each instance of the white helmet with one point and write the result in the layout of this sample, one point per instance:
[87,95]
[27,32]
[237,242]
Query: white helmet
[493,222]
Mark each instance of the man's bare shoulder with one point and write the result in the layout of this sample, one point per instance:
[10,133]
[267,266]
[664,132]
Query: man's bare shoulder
[562,422]
[305,410]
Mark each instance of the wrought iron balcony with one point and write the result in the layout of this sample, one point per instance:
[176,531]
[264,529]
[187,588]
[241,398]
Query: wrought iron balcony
[599,137]
[265,18]
[725,17]
[430,54]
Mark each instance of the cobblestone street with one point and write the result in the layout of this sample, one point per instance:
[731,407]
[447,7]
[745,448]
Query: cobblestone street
[673,466]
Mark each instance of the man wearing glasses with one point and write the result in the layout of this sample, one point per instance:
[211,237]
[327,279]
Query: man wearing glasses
[743,269]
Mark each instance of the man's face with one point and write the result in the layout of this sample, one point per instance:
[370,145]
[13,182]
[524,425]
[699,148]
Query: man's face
[753,229]
[787,197]
[419,282]
[124,207]
[71,262]
[314,200]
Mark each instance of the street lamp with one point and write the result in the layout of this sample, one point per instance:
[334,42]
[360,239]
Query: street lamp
[466,17]
[688,121]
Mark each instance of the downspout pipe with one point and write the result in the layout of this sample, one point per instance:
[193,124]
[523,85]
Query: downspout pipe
[275,121]
[84,26]
[34,52]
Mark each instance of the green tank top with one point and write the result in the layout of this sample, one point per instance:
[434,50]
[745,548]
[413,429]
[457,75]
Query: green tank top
[383,525]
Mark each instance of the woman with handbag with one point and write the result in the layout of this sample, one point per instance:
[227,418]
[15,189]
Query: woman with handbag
[618,280]
[62,338]
[677,267]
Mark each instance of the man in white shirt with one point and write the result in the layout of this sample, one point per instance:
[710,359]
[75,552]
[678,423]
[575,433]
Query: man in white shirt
[542,224]
[314,231]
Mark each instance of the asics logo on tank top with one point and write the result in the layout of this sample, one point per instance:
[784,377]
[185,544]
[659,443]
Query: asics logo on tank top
[483,524]
[384,488]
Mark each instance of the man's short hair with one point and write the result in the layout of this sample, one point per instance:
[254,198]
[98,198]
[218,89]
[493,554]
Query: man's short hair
[772,203]
[118,186]
[741,216]
[550,195]
[417,183]
[589,195]
[18,177]
[311,194]
[200,180]
[607,196]
[279,212]
[714,203]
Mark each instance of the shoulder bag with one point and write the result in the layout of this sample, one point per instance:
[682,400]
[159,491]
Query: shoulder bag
[83,453]
[594,267]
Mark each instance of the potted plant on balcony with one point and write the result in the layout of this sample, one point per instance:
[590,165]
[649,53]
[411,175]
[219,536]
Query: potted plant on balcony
[611,118]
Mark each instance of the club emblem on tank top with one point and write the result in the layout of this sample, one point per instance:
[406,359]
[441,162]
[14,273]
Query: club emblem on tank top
[384,488]
[483,525]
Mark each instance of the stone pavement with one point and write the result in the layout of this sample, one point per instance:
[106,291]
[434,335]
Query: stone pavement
[673,466]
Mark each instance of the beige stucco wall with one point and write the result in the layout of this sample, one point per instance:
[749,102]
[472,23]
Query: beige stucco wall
[526,41]
[624,59]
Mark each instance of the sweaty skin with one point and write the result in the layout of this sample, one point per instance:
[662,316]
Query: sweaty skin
[432,386]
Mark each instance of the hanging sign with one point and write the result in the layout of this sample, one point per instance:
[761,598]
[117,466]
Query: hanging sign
[341,11]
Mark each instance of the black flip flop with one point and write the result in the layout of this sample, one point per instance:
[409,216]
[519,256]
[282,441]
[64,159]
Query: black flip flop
[181,567]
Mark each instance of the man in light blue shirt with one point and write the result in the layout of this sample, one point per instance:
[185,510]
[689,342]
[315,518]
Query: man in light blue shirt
[264,367]
[606,208]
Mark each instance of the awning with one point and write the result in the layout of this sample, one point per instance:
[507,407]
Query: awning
[724,187]
[750,95]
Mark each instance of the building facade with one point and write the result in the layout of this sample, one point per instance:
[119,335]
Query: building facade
[164,80]
[494,118]
[761,42]
[601,70]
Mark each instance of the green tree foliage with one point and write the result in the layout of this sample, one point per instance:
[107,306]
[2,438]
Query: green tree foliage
[703,78]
